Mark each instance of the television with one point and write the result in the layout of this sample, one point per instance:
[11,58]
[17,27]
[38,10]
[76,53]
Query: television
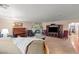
[53,29]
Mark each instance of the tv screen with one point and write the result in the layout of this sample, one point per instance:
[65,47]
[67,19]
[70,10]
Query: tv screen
[53,29]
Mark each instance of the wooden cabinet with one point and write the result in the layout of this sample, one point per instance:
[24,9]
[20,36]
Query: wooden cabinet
[22,32]
[56,30]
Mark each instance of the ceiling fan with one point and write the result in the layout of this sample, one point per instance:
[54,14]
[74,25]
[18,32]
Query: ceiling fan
[5,6]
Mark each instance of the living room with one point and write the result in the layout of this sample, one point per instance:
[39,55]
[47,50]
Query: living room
[38,29]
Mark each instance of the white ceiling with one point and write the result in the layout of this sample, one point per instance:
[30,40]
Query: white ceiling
[44,12]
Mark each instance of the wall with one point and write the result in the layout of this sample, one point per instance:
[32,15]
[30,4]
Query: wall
[6,24]
[63,22]
[9,24]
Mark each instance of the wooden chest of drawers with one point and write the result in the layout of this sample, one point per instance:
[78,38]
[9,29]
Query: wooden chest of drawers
[22,32]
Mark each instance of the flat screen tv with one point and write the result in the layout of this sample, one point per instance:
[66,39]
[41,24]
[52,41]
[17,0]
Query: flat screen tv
[53,29]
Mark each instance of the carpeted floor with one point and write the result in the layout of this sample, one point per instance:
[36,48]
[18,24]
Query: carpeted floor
[59,46]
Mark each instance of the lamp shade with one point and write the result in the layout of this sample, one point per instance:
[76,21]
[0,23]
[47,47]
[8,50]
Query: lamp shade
[4,31]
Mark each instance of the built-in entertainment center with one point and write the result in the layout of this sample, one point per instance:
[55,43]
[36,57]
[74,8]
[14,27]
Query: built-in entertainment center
[54,30]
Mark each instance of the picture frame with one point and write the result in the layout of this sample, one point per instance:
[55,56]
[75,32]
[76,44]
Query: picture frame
[18,24]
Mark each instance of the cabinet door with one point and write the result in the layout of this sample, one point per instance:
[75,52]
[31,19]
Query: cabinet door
[19,32]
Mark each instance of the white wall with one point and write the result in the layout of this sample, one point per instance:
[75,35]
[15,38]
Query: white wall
[65,23]
[9,24]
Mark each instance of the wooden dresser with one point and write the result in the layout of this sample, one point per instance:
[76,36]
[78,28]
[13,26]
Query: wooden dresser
[22,32]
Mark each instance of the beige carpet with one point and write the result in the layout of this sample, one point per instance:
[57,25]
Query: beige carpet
[59,46]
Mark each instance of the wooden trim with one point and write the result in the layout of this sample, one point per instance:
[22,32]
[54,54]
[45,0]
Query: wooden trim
[46,48]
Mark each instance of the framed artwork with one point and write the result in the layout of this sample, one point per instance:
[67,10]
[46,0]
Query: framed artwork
[18,24]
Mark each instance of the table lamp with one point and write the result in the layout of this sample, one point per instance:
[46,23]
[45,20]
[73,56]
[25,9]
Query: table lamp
[4,32]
